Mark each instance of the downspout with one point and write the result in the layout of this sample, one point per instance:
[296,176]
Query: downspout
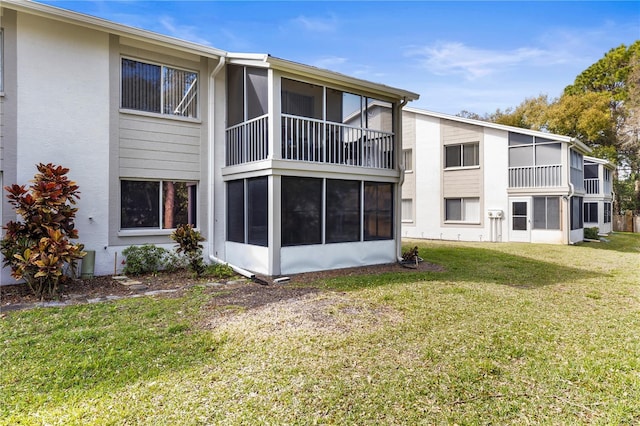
[211,166]
[401,182]
[572,191]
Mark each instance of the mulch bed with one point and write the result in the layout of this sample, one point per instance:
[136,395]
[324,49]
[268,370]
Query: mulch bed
[242,293]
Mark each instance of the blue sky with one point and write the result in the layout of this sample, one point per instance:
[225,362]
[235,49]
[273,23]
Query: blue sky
[475,56]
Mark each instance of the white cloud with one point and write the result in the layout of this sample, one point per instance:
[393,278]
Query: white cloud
[184,32]
[329,62]
[316,24]
[448,58]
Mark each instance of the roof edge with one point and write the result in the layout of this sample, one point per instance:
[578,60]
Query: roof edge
[562,138]
[88,21]
[286,65]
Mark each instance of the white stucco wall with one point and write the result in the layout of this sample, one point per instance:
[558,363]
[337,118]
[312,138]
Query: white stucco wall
[496,181]
[63,117]
[427,171]
[428,201]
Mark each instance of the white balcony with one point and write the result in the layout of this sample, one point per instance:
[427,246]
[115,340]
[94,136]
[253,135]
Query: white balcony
[592,185]
[535,176]
[248,141]
[311,140]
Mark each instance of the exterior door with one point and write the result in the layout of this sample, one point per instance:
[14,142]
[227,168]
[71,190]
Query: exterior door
[520,219]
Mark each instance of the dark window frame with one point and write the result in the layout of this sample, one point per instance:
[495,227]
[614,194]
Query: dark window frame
[235,210]
[377,215]
[343,218]
[301,211]
[590,212]
[455,155]
[158,98]
[159,205]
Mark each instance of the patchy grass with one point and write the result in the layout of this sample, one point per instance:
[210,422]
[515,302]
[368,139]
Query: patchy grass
[507,334]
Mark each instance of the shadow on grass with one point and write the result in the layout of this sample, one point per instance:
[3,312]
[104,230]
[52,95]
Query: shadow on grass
[92,350]
[473,264]
[625,242]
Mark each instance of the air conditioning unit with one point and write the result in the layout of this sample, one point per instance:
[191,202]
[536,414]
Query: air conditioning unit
[495,214]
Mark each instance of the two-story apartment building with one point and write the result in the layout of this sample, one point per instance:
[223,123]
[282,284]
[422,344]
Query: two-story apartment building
[598,198]
[283,167]
[478,181]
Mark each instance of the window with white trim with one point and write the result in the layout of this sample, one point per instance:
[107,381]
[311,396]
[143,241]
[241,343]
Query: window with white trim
[158,89]
[462,155]
[462,210]
[157,204]
[1,60]
[590,212]
[607,212]
[407,210]
[407,157]
[577,221]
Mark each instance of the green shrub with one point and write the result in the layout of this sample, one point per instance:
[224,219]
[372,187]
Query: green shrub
[188,240]
[143,259]
[174,261]
[591,233]
[38,248]
[219,270]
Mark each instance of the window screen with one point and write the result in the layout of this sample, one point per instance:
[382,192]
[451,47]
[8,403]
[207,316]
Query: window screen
[301,211]
[576,213]
[343,211]
[546,213]
[235,211]
[378,211]
[591,212]
[257,211]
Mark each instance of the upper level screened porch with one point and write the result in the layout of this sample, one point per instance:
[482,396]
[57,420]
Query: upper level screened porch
[597,178]
[537,162]
[305,122]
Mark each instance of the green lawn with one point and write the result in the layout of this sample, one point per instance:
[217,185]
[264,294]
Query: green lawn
[508,334]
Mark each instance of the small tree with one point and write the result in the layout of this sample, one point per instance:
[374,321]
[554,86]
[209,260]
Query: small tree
[188,240]
[38,248]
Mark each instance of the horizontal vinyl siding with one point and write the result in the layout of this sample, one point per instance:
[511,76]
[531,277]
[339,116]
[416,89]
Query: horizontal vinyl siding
[453,133]
[462,183]
[158,149]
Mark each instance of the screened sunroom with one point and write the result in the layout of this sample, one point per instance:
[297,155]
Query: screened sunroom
[311,169]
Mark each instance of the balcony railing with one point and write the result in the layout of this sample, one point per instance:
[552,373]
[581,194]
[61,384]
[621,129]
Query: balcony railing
[306,139]
[248,141]
[592,185]
[317,141]
[535,176]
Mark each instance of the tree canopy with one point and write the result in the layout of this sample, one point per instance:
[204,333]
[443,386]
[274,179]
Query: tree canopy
[601,108]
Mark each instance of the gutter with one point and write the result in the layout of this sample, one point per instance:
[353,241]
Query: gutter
[398,206]
[211,167]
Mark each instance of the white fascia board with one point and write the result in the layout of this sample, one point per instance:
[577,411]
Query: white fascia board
[75,18]
[560,138]
[341,79]
[606,163]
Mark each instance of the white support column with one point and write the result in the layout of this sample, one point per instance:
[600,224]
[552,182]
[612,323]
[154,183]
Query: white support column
[275,219]
[275,112]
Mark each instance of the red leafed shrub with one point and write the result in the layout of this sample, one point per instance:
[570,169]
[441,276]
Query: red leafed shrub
[38,248]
